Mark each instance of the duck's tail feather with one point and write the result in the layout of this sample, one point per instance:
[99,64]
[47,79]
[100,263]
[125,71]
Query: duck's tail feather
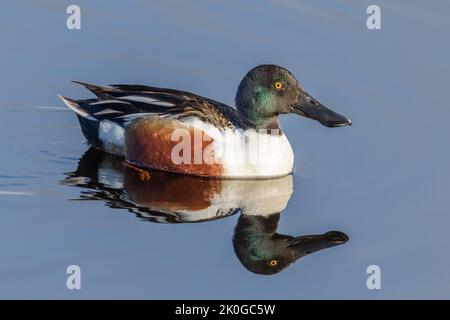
[98,130]
[75,105]
[89,124]
[100,91]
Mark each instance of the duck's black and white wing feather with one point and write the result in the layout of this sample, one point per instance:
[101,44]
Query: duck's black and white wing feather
[121,103]
[104,119]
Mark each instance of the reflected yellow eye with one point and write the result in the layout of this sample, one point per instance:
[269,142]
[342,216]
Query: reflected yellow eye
[273,263]
[278,85]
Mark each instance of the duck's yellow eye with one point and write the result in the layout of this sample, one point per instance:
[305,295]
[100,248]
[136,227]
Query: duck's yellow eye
[273,263]
[278,85]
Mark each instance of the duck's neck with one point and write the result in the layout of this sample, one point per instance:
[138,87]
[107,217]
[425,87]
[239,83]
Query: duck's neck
[263,124]
[257,109]
[252,226]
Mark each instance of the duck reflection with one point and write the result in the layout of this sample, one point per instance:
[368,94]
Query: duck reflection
[171,198]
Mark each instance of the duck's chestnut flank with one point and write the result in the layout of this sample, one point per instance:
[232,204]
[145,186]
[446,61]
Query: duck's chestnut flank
[150,144]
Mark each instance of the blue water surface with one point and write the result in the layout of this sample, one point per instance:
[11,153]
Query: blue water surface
[384,181]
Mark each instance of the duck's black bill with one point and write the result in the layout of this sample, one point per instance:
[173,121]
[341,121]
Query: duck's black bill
[311,108]
[304,245]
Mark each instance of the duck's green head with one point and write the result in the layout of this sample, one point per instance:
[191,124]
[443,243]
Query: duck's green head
[264,251]
[270,90]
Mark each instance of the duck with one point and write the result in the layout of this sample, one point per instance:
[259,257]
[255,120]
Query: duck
[170,198]
[181,132]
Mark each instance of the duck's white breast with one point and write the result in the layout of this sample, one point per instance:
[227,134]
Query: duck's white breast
[257,155]
[250,153]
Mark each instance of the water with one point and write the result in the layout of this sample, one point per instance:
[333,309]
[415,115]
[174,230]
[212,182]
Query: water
[383,181]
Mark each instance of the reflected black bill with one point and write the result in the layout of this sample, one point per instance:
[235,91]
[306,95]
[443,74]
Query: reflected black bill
[311,108]
[304,245]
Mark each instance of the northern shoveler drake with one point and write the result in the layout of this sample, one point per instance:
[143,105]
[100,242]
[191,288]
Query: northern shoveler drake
[181,132]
